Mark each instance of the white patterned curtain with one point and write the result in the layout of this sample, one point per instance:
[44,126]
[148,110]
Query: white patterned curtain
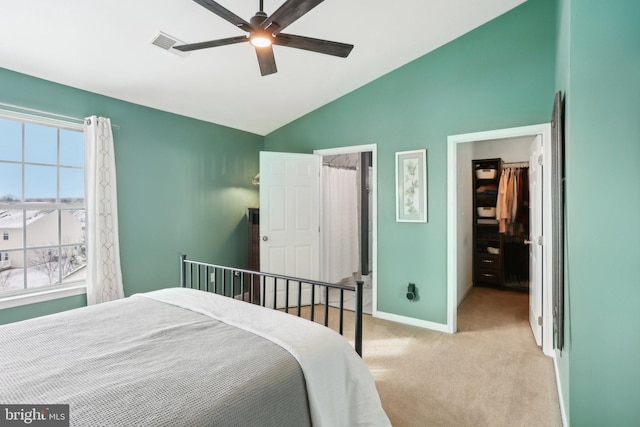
[104,277]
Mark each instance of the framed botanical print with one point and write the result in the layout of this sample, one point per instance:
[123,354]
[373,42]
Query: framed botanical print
[411,186]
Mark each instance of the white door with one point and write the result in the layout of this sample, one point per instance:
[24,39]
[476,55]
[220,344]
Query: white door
[289,222]
[535,239]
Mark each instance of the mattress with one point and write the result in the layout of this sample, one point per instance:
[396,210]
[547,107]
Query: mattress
[185,357]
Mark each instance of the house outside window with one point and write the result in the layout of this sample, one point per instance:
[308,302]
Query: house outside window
[42,204]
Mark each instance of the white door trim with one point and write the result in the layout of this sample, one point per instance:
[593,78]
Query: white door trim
[452,233]
[373,148]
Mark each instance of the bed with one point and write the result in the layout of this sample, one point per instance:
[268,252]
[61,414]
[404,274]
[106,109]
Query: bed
[184,356]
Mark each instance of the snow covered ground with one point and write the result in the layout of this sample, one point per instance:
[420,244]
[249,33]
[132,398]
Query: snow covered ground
[13,279]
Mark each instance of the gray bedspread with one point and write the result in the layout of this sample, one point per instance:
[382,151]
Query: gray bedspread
[142,362]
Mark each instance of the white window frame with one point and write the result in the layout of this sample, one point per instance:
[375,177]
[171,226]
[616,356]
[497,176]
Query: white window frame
[47,293]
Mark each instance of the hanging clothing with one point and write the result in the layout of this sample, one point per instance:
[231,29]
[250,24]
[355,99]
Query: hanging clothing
[512,213]
[522,217]
[513,198]
[504,204]
[501,196]
[514,195]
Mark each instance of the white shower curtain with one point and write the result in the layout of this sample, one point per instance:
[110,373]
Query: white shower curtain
[340,220]
[104,276]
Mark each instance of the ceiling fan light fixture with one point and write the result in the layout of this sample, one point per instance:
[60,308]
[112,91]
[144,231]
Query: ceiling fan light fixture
[260,40]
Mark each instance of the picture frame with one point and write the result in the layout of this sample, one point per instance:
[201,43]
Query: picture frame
[411,186]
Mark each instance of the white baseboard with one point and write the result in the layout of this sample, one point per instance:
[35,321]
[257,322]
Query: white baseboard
[440,327]
[563,411]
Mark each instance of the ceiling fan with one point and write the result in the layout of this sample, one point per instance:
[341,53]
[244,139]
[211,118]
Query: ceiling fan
[265,31]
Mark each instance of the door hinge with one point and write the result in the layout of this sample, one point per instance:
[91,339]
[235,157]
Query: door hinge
[539,320]
[540,160]
[540,241]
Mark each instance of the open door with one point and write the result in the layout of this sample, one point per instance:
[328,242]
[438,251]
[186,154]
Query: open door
[289,221]
[535,239]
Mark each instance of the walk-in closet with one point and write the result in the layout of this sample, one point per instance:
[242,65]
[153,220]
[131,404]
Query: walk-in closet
[493,213]
[500,223]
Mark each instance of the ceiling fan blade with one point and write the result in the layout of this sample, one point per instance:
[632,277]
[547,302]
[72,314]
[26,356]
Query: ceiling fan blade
[212,43]
[287,14]
[315,45]
[266,60]
[225,14]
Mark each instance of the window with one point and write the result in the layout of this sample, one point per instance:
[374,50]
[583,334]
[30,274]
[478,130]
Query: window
[42,203]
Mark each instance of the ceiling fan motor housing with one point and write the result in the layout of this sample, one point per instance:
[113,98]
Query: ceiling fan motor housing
[258,18]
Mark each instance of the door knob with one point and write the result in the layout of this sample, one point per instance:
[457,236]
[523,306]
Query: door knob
[265,238]
[527,242]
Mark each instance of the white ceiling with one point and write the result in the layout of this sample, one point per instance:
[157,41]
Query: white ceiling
[104,46]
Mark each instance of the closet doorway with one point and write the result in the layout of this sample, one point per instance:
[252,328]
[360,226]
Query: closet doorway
[510,145]
[348,218]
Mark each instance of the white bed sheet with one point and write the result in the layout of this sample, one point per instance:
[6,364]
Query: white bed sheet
[340,388]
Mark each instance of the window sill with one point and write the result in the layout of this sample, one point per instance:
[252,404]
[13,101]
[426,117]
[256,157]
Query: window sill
[43,295]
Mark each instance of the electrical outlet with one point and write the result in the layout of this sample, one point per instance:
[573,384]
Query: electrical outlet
[411,292]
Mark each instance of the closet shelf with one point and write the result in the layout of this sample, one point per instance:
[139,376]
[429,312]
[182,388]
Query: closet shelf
[487,247]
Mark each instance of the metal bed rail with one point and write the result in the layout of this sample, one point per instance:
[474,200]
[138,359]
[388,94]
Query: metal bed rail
[251,286]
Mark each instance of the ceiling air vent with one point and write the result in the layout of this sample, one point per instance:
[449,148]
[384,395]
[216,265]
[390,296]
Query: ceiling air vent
[166,42]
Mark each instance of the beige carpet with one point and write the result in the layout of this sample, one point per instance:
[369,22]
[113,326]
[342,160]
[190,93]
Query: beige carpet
[491,373]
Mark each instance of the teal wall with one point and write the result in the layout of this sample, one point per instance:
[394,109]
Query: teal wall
[500,75]
[183,185]
[602,82]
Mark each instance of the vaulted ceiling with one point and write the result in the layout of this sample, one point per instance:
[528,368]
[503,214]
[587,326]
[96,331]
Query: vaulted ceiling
[104,46]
